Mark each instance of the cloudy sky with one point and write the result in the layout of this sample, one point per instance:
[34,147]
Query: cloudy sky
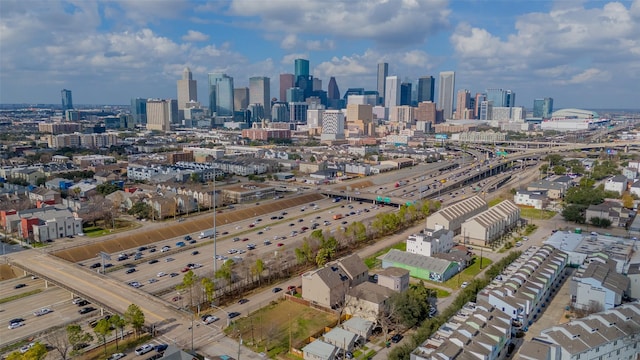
[581,53]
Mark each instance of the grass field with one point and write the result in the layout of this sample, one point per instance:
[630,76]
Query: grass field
[372,261]
[268,329]
[469,273]
[535,214]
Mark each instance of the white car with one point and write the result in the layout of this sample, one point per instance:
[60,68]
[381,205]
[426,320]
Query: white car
[15,325]
[161,274]
[42,311]
[144,349]
[165,249]
[464,284]
[26,348]
[116,356]
[210,319]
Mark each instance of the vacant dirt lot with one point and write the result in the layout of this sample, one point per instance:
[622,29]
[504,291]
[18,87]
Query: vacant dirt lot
[8,272]
[356,185]
[173,229]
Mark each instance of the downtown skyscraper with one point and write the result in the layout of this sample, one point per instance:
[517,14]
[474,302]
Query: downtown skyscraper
[426,87]
[383,72]
[543,108]
[260,93]
[67,101]
[221,94]
[446,87]
[187,91]
[392,91]
[287,81]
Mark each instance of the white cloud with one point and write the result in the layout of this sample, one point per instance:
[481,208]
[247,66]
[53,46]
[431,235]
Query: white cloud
[195,36]
[392,23]
[289,58]
[571,45]
[289,42]
[320,45]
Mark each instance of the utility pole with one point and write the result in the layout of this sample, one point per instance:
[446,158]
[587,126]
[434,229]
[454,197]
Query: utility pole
[215,231]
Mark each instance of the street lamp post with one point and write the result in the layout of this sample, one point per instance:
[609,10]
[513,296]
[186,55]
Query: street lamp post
[215,231]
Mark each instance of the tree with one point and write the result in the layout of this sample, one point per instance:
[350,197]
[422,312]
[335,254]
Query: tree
[60,342]
[304,254]
[209,288]
[627,200]
[118,322]
[600,222]
[257,269]
[312,159]
[554,159]
[225,272]
[102,331]
[135,317]
[559,170]
[107,188]
[77,337]
[189,282]
[36,352]
[575,213]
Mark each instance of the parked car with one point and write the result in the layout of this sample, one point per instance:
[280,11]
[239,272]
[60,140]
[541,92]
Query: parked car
[161,347]
[396,338]
[116,356]
[144,349]
[130,271]
[464,284]
[82,302]
[276,290]
[243,301]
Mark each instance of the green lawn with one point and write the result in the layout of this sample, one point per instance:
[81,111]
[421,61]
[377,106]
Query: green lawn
[494,202]
[535,214]
[270,328]
[469,273]
[372,261]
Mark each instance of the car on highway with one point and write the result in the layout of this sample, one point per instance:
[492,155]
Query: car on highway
[196,252]
[236,239]
[165,248]
[19,286]
[185,269]
[193,241]
[144,349]
[243,301]
[130,271]
[276,290]
[267,242]
[169,259]
[116,356]
[153,280]
[173,274]
[15,325]
[180,244]
[94,266]
[280,244]
[187,237]
[43,311]
[86,310]
[161,274]
[151,262]
[233,314]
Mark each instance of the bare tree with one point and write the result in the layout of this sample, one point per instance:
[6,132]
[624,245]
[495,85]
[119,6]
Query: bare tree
[59,340]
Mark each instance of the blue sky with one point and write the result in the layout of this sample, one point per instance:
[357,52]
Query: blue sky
[581,53]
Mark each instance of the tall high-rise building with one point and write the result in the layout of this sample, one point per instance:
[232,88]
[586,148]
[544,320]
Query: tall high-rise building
[187,91]
[301,67]
[260,93]
[427,112]
[333,93]
[298,112]
[221,94]
[463,101]
[426,85]
[287,81]
[305,82]
[332,125]
[501,98]
[139,110]
[67,100]
[280,112]
[383,72]
[294,94]
[480,97]
[392,91]
[446,86]
[317,84]
[360,119]
[257,113]
[240,98]
[486,110]
[543,108]
[405,93]
[161,114]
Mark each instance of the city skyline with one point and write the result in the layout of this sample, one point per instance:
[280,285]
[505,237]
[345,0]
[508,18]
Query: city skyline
[582,54]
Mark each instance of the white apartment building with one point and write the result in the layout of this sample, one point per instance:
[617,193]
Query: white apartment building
[611,334]
[332,125]
[430,241]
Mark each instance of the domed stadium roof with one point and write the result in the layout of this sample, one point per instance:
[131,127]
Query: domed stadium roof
[576,113]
